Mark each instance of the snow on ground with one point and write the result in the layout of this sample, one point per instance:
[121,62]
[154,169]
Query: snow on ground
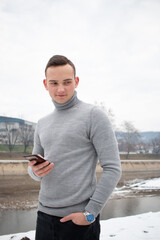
[138,185]
[138,227]
[143,226]
[152,184]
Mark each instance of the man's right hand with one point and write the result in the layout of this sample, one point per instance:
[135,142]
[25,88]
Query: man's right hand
[41,169]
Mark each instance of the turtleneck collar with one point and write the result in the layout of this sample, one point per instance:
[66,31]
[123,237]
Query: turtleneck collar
[62,106]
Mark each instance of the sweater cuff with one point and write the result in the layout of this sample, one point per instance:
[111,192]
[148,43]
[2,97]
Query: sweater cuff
[93,207]
[32,175]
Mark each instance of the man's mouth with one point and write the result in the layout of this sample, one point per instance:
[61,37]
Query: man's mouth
[61,95]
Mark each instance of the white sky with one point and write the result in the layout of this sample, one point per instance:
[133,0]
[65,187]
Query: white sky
[115,45]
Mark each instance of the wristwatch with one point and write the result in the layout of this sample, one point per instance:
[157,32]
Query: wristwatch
[89,217]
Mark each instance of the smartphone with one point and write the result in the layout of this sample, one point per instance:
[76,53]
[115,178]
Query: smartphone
[35,157]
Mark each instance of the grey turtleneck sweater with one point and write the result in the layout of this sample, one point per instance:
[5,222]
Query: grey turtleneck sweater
[75,136]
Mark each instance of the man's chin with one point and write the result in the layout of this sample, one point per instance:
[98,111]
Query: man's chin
[60,100]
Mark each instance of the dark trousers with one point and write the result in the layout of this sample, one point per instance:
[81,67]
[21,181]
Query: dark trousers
[50,228]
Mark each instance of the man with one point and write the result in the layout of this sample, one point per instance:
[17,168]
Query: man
[72,138]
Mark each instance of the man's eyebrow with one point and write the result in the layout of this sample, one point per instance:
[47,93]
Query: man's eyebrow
[53,80]
[67,79]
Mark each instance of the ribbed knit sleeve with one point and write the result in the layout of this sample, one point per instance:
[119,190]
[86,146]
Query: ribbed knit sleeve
[105,144]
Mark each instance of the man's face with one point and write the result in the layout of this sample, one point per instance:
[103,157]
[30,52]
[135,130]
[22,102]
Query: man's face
[60,83]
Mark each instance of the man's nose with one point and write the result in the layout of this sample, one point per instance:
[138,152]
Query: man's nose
[61,88]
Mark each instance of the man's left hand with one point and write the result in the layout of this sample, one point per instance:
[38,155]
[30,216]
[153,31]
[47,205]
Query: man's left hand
[76,218]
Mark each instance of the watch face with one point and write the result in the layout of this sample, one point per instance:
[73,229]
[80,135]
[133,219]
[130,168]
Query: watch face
[90,218]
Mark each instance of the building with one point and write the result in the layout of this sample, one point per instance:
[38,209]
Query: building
[12,129]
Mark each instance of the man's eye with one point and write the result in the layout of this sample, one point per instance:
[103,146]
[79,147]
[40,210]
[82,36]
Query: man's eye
[68,82]
[53,83]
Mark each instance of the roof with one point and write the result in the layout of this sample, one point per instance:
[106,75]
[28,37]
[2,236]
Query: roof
[10,119]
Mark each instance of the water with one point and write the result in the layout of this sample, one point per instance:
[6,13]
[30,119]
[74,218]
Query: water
[13,221]
[130,206]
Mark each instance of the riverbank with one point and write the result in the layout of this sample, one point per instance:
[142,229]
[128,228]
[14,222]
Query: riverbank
[21,192]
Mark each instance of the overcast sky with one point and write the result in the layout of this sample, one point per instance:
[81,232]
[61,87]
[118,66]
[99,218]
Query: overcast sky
[115,45]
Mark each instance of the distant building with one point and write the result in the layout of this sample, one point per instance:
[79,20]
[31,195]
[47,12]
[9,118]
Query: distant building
[13,125]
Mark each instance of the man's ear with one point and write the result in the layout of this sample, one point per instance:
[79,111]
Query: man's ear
[45,84]
[76,81]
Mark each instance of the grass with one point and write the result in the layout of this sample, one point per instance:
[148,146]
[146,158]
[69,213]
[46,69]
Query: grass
[16,154]
[16,149]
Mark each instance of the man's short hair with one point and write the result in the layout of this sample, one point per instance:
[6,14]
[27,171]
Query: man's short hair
[59,60]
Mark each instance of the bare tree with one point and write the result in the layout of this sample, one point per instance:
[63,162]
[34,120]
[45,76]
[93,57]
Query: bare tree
[130,136]
[109,113]
[12,134]
[26,134]
[156,145]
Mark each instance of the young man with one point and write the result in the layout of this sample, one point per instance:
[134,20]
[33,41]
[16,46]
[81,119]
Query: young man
[72,138]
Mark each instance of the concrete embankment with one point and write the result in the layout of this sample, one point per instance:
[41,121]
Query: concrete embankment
[13,167]
[19,167]
[132,169]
